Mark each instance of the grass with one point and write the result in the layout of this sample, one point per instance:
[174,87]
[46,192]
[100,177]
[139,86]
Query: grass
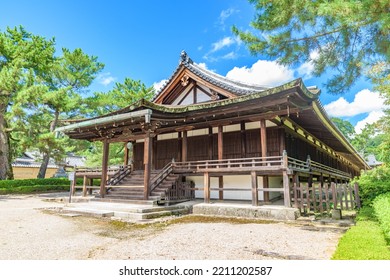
[365,241]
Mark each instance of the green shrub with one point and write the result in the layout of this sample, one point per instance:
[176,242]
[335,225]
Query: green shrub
[9,184]
[364,241]
[373,183]
[33,189]
[381,207]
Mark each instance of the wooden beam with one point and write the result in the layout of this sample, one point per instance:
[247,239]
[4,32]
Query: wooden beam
[106,146]
[147,164]
[255,194]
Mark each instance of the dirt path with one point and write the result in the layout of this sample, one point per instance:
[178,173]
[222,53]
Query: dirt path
[32,234]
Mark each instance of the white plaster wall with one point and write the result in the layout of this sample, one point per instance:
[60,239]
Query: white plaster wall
[237,182]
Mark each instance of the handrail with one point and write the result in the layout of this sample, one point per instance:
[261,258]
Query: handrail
[158,178]
[119,175]
[257,162]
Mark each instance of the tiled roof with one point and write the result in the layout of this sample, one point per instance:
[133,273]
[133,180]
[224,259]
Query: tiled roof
[230,85]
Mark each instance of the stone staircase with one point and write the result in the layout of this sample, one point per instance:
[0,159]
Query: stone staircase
[124,211]
[131,188]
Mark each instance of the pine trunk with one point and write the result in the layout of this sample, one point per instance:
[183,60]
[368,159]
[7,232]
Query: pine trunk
[46,156]
[5,151]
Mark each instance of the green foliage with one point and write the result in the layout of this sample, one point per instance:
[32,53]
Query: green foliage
[373,183]
[345,127]
[381,207]
[34,189]
[95,151]
[24,58]
[364,241]
[345,36]
[121,96]
[10,184]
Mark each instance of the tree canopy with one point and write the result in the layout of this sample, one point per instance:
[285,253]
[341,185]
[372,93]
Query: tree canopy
[348,37]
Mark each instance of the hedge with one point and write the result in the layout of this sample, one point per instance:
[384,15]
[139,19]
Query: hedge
[10,184]
[33,189]
[381,207]
[373,183]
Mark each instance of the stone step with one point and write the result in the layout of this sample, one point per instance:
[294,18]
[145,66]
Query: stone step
[91,212]
[126,201]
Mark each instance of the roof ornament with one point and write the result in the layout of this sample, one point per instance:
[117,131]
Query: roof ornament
[184,58]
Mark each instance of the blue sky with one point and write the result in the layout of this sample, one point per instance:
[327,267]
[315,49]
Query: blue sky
[142,40]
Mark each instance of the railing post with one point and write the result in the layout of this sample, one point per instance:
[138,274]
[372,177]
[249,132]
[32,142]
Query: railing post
[255,200]
[286,187]
[285,159]
[308,162]
[206,187]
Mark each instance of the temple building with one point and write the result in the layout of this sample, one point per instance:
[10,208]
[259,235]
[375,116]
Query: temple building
[206,136]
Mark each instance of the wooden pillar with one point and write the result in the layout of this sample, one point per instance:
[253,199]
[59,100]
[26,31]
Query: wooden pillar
[184,146]
[220,186]
[126,156]
[282,140]
[220,142]
[243,140]
[210,148]
[147,164]
[85,185]
[206,187]
[286,187]
[264,153]
[154,154]
[106,146]
[255,199]
[220,156]
[132,159]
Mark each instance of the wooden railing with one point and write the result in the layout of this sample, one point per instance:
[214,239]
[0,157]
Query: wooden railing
[309,166]
[180,191]
[322,198]
[119,175]
[90,171]
[160,177]
[238,164]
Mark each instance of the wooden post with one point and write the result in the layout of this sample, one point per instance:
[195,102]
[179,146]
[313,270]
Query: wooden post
[220,157]
[210,148]
[255,194]
[84,185]
[334,194]
[184,149]
[106,146]
[295,191]
[91,184]
[286,187]
[264,154]
[220,186]
[320,192]
[126,156]
[243,140]
[154,153]
[132,162]
[147,164]
[220,142]
[206,187]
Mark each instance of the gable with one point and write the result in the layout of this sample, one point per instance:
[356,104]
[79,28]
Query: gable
[187,88]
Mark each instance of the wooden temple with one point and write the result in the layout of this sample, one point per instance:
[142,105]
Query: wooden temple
[206,136]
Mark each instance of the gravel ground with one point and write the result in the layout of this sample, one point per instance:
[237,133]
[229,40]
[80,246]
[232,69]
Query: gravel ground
[32,234]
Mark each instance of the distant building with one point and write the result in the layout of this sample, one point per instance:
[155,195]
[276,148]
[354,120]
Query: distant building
[27,166]
[372,162]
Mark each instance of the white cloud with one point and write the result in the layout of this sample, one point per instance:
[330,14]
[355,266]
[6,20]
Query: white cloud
[365,101]
[263,72]
[202,65]
[225,14]
[225,42]
[370,119]
[306,69]
[158,85]
[105,79]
